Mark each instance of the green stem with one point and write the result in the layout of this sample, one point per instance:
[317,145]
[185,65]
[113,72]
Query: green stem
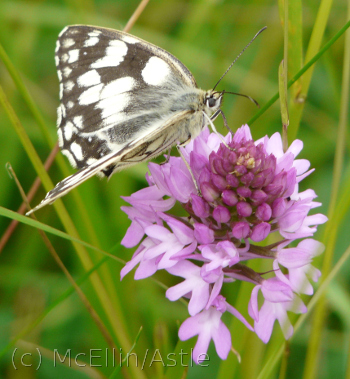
[301,72]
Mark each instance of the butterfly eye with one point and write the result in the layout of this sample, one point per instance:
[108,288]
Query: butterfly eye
[211,102]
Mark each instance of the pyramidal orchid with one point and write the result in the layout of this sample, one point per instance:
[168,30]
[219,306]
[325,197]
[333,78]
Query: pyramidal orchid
[238,197]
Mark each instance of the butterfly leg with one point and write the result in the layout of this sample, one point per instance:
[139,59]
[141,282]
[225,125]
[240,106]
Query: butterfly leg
[215,131]
[188,166]
[167,157]
[216,114]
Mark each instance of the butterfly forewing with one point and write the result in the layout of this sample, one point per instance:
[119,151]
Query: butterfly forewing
[114,88]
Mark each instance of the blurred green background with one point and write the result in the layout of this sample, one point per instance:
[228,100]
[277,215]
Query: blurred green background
[206,36]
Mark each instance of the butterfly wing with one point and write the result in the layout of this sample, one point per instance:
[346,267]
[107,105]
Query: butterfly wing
[136,151]
[114,88]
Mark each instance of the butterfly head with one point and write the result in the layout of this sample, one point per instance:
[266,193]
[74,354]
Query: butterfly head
[213,101]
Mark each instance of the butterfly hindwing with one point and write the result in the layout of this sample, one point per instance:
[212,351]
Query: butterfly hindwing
[114,88]
[135,152]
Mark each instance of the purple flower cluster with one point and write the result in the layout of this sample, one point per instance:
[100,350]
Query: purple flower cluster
[243,192]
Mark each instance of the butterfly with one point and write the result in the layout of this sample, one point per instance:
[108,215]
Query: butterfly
[123,101]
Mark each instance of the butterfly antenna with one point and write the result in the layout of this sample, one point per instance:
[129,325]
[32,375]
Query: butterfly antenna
[243,95]
[261,30]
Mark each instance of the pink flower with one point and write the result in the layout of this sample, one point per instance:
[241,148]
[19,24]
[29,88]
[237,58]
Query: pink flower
[298,261]
[193,284]
[279,298]
[243,191]
[208,326]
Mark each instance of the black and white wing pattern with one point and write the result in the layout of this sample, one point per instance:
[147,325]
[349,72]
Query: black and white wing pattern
[123,101]
[114,88]
[135,152]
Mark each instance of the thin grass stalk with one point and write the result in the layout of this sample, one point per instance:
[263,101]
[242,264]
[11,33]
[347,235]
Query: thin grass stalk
[77,365]
[306,67]
[313,352]
[137,13]
[11,228]
[283,78]
[295,57]
[274,359]
[49,229]
[44,130]
[241,337]
[94,315]
[26,96]
[50,308]
[121,329]
[115,319]
[313,48]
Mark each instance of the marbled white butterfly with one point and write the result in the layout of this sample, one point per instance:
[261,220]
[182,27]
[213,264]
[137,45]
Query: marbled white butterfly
[123,101]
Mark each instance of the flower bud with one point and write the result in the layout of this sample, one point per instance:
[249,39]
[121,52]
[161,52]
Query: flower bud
[203,234]
[218,181]
[232,180]
[244,192]
[221,214]
[260,232]
[209,193]
[263,212]
[241,230]
[244,209]
[229,197]
[199,206]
